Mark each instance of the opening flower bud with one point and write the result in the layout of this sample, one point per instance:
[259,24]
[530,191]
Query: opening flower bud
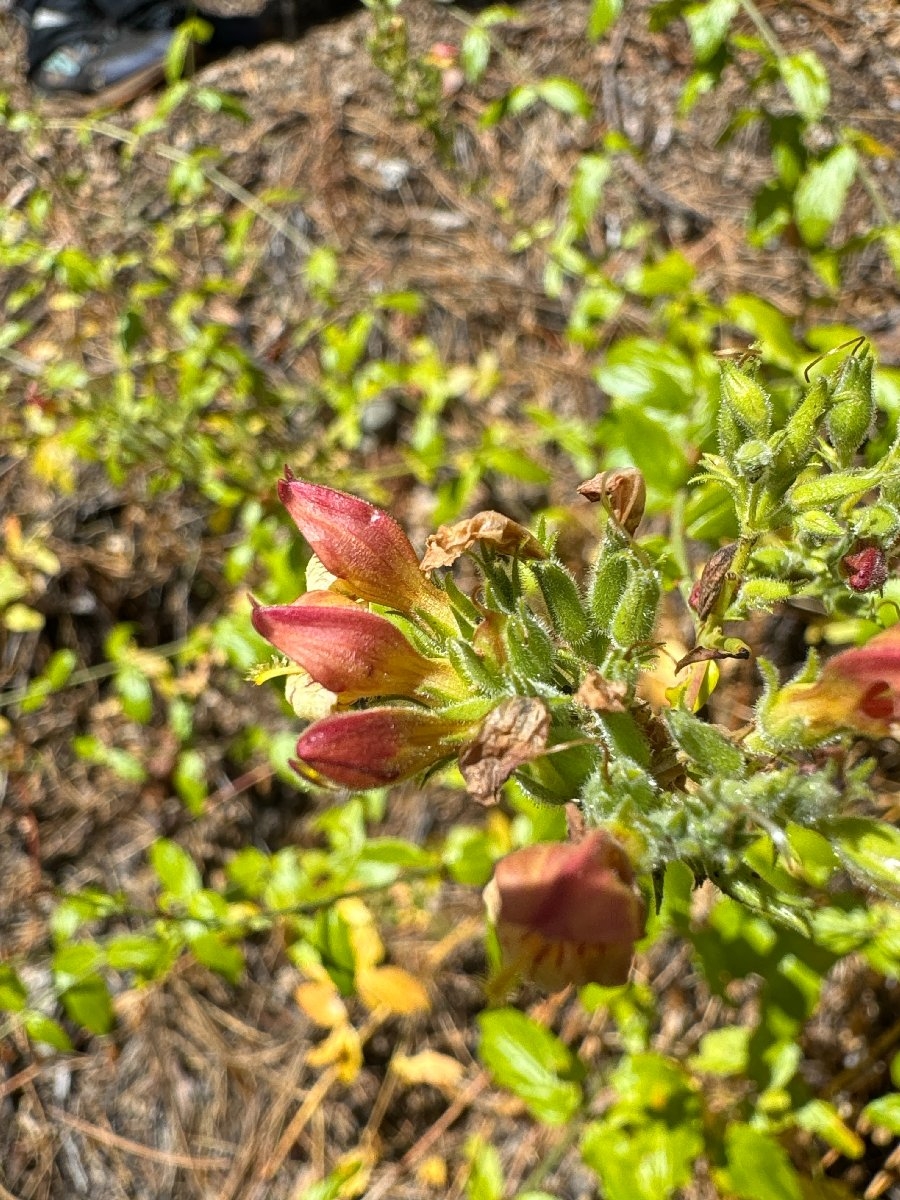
[352,652]
[857,691]
[378,746]
[364,547]
[567,913]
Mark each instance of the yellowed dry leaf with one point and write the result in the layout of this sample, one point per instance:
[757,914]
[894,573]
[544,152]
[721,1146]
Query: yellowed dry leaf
[432,1172]
[393,989]
[342,1049]
[322,1003]
[431,1067]
[601,695]
[368,948]
[493,529]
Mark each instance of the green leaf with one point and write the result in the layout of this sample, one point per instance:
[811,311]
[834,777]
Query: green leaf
[485,1180]
[214,951]
[705,745]
[758,1167]
[175,869]
[13,994]
[89,1004]
[723,1051]
[531,1062]
[872,847]
[475,53]
[41,1028]
[708,25]
[137,952]
[807,82]
[885,1111]
[565,96]
[189,780]
[822,1119]
[650,1162]
[821,192]
[603,15]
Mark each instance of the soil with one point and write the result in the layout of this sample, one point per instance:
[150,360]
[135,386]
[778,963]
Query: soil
[205,1091]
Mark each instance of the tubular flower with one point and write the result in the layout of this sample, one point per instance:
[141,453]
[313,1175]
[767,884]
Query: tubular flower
[858,690]
[364,547]
[352,652]
[567,913]
[378,746]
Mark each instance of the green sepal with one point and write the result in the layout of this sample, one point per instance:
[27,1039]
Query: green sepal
[563,601]
[476,671]
[635,617]
[607,587]
[530,649]
[818,526]
[795,444]
[852,407]
[745,402]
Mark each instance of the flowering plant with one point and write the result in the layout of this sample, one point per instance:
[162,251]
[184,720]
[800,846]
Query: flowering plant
[758,836]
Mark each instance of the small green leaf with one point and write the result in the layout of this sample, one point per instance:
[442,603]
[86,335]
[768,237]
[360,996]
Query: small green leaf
[872,847]
[137,952]
[885,1111]
[136,694]
[189,780]
[531,1062]
[214,951]
[175,869]
[41,1028]
[485,1180]
[705,745]
[475,53]
[13,994]
[708,25]
[603,15]
[89,1004]
[807,82]
[565,96]
[723,1051]
[821,193]
[758,1167]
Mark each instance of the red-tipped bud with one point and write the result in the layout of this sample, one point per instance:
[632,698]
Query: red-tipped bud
[363,546]
[378,746]
[567,913]
[351,652]
[858,690]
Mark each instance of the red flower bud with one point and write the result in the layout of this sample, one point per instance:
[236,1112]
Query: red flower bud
[364,547]
[378,746]
[866,569]
[567,913]
[351,652]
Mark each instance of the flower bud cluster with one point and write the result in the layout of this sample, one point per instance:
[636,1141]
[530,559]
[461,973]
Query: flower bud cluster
[399,675]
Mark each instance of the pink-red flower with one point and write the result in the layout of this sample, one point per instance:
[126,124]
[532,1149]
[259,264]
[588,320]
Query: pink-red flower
[364,547]
[567,912]
[858,691]
[352,652]
[378,746]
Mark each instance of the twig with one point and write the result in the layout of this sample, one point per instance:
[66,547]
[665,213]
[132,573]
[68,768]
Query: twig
[107,1138]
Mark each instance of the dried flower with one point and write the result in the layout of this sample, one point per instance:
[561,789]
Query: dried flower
[363,547]
[567,913]
[378,746]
